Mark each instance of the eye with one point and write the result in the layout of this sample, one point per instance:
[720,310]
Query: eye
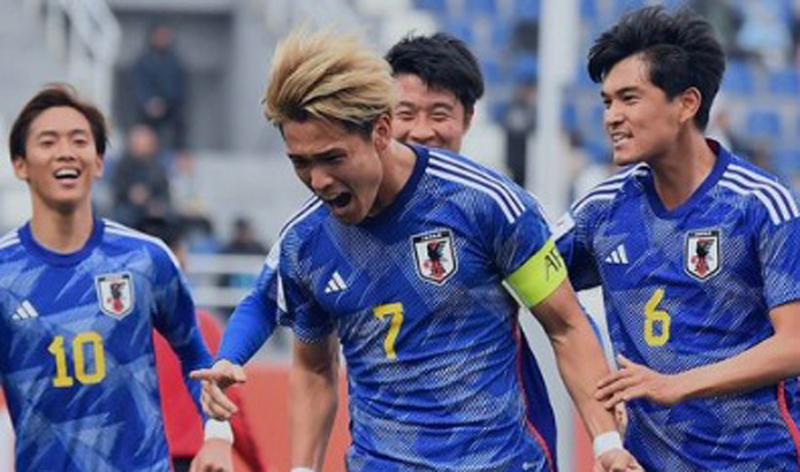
[606,103]
[405,115]
[440,116]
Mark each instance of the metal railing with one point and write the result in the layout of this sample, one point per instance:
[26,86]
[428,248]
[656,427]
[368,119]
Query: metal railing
[86,36]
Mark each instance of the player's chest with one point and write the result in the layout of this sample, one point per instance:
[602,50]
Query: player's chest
[632,249]
[429,261]
[109,301]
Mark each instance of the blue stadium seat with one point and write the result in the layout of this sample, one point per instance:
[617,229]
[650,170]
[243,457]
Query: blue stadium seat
[589,10]
[438,7]
[739,78]
[569,116]
[623,6]
[481,7]
[785,81]
[525,68]
[765,124]
[527,9]
[501,33]
[786,161]
[492,71]
[460,28]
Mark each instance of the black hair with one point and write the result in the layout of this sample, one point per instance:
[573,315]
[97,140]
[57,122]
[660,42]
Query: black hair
[441,61]
[55,95]
[680,50]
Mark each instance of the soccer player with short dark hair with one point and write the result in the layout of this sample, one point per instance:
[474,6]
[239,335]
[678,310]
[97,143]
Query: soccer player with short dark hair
[79,298]
[697,252]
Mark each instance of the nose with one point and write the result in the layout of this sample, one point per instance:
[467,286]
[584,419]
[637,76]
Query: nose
[64,149]
[422,132]
[612,116]
[319,178]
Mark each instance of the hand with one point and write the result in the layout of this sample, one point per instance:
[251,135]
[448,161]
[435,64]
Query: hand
[637,381]
[216,455]
[617,460]
[215,380]
[621,417]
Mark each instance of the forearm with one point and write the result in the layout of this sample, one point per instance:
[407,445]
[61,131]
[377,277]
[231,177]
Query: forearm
[251,324]
[582,364]
[766,363]
[312,410]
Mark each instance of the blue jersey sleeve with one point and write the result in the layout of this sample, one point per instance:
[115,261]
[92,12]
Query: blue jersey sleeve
[254,319]
[515,240]
[779,255]
[176,320]
[573,233]
[297,305]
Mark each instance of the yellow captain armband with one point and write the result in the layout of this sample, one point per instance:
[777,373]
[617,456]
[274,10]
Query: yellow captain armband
[539,276]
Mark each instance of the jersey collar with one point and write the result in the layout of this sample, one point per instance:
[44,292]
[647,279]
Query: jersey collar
[723,159]
[58,258]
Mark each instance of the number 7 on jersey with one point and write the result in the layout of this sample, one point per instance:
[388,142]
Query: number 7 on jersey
[395,310]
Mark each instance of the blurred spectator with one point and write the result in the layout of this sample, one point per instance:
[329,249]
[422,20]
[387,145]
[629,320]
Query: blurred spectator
[186,196]
[182,422]
[519,123]
[526,37]
[160,87]
[243,241]
[139,182]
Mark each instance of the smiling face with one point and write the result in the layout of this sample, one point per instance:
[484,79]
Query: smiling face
[641,121]
[61,160]
[430,117]
[342,167]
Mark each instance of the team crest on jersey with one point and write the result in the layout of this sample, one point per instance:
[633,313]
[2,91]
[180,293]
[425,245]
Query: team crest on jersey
[115,293]
[702,258]
[435,256]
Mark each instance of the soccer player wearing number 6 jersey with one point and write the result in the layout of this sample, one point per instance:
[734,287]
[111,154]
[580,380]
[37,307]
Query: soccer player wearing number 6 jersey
[698,253]
[79,298]
[401,256]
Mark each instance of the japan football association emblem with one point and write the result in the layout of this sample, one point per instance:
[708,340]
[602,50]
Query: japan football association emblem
[702,257]
[435,256]
[115,294]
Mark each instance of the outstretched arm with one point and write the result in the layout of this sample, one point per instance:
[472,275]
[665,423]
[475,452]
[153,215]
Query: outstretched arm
[768,362]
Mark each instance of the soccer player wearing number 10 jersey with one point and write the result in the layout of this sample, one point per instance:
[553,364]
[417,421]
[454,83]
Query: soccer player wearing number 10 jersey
[698,253]
[79,298]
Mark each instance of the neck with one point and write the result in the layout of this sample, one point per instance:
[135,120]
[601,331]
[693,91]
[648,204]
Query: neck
[680,171]
[62,231]
[398,165]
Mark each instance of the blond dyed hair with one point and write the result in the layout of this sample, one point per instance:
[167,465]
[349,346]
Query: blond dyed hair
[330,77]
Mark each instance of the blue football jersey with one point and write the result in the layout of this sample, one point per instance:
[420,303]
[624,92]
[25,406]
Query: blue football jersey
[430,335]
[76,349]
[689,287]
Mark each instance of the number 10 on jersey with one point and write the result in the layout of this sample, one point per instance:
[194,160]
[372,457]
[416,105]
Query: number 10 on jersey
[92,341]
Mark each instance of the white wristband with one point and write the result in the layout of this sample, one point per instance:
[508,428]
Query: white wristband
[216,429]
[606,442]
[301,469]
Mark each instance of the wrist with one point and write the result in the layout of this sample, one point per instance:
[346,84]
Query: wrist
[301,469]
[605,442]
[215,429]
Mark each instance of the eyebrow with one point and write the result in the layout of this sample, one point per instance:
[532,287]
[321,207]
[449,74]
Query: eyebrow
[630,88]
[320,155]
[53,133]
[434,105]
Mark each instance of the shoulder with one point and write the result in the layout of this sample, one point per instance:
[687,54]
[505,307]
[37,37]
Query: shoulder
[761,190]
[9,243]
[130,239]
[461,174]
[604,194]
